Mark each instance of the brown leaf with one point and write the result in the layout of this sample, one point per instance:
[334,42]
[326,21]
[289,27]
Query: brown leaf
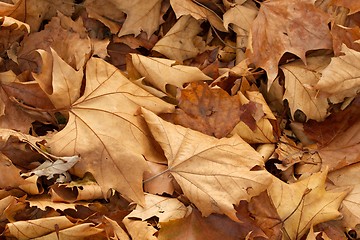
[213,173]
[211,110]
[10,174]
[345,35]
[338,141]
[353,6]
[287,26]
[213,227]
[106,131]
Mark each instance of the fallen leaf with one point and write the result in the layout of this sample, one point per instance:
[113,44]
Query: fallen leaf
[140,230]
[155,182]
[353,6]
[10,176]
[58,80]
[106,131]
[340,78]
[178,43]
[346,35]
[287,26]
[348,177]
[141,16]
[337,137]
[44,202]
[119,233]
[217,166]
[241,16]
[164,74]
[304,203]
[298,91]
[197,11]
[194,226]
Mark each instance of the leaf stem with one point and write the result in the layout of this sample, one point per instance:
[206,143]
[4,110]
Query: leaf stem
[156,175]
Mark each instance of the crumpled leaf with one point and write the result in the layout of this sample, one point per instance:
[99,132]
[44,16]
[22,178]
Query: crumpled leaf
[178,43]
[164,74]
[346,35]
[211,110]
[105,129]
[60,167]
[305,203]
[213,173]
[341,78]
[287,26]
[298,91]
[59,80]
[140,230]
[197,11]
[353,6]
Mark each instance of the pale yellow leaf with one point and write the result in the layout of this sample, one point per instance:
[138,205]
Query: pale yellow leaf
[213,173]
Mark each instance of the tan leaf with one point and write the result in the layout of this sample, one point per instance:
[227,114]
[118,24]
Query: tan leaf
[119,233]
[157,183]
[304,203]
[58,80]
[166,209]
[353,6]
[140,230]
[346,35]
[298,91]
[141,16]
[106,131]
[10,174]
[44,202]
[213,173]
[341,78]
[197,11]
[178,43]
[36,228]
[349,177]
[14,24]
[287,26]
[164,74]
[241,16]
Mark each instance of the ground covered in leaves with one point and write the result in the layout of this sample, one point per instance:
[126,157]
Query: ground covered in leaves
[179,119]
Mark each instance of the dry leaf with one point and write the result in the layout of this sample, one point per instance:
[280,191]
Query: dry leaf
[178,43]
[164,74]
[340,78]
[106,131]
[287,26]
[298,91]
[304,203]
[217,166]
[353,6]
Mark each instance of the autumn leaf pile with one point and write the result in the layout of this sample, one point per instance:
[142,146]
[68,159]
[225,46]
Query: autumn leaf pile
[179,119]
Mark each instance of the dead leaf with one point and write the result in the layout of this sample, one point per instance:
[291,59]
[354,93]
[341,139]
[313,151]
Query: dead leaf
[353,6]
[119,233]
[178,43]
[217,166]
[340,78]
[346,35]
[287,26]
[58,80]
[141,16]
[337,137]
[106,131]
[304,203]
[164,74]
[299,79]
[155,182]
[10,174]
[140,230]
[211,110]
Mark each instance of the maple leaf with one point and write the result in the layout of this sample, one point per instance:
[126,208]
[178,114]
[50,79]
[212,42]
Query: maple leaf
[340,78]
[213,173]
[338,141]
[211,110]
[106,131]
[178,43]
[213,227]
[164,75]
[305,203]
[286,26]
[197,11]
[241,16]
[348,177]
[298,91]
[140,16]
[58,80]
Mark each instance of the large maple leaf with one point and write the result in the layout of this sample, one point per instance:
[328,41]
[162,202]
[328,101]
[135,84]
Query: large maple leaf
[287,26]
[304,203]
[105,130]
[213,173]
